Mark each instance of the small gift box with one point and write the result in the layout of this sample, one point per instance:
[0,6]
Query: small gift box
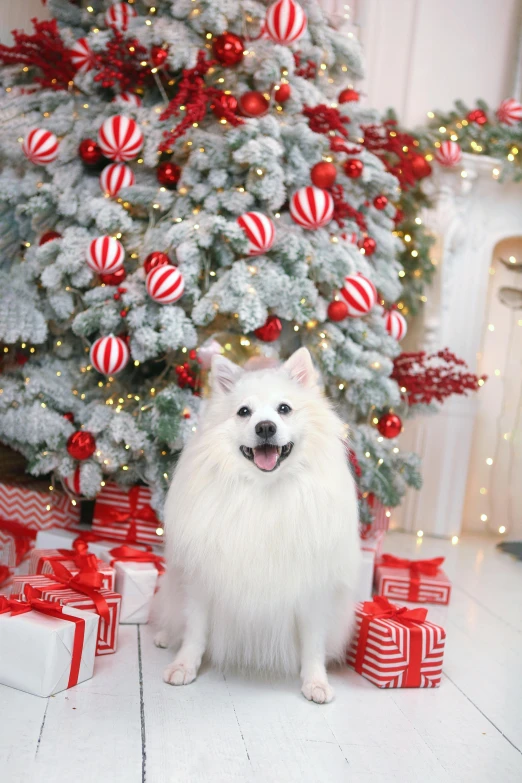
[126,515]
[373,542]
[31,504]
[76,560]
[136,580]
[396,647]
[419,581]
[45,647]
[81,592]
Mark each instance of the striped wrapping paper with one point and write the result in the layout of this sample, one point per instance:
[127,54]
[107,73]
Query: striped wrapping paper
[34,506]
[373,542]
[401,584]
[395,653]
[40,563]
[7,550]
[107,641]
[379,522]
[126,515]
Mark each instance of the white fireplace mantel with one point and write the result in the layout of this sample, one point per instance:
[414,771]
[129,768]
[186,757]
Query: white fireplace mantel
[472,212]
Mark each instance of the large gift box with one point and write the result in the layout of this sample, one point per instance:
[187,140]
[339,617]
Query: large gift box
[77,592]
[126,515]
[137,575]
[396,647]
[419,581]
[45,647]
[33,505]
[76,560]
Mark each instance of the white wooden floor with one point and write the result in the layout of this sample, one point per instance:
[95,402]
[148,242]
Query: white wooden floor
[127,725]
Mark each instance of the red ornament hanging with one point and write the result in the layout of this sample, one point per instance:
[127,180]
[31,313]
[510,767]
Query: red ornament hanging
[420,167]
[380,202]
[478,116]
[49,236]
[69,416]
[353,168]
[337,311]
[323,174]
[348,95]
[154,260]
[253,104]
[270,330]
[114,278]
[369,246]
[228,49]
[81,445]
[282,92]
[168,174]
[158,55]
[90,152]
[223,105]
[389,425]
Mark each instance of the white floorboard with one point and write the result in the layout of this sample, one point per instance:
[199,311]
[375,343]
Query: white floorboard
[127,725]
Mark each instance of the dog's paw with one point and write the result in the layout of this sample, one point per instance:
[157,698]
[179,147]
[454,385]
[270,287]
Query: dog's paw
[318,691]
[179,673]
[161,639]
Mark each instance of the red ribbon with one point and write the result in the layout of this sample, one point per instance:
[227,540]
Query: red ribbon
[417,569]
[51,609]
[84,560]
[87,583]
[411,618]
[4,574]
[89,537]
[22,537]
[142,514]
[129,555]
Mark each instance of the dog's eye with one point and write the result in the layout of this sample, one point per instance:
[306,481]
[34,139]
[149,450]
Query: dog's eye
[244,411]
[284,408]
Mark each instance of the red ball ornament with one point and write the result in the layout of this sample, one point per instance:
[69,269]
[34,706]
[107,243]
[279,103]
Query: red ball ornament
[337,311]
[114,278]
[389,425]
[224,104]
[81,445]
[49,236]
[90,152]
[509,112]
[353,168]
[420,167]
[338,143]
[228,49]
[168,174]
[348,95]
[69,416]
[253,104]
[154,260]
[380,202]
[478,116]
[369,246]
[158,55]
[323,174]
[282,92]
[270,330]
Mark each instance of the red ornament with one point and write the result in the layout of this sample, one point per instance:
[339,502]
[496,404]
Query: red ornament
[115,177]
[478,116]
[114,278]
[81,444]
[158,55]
[323,174]
[369,246]
[168,174]
[165,284]
[399,217]
[154,260]
[311,207]
[338,144]
[509,112]
[69,416]
[223,104]
[448,154]
[259,230]
[253,104]
[49,236]
[348,95]
[285,22]
[228,49]
[120,138]
[105,255]
[337,311]
[420,167]
[282,92]
[353,168]
[81,56]
[40,146]
[90,152]
[389,425]
[109,355]
[380,202]
[270,330]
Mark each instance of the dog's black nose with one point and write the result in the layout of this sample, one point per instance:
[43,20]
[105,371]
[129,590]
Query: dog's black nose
[266,429]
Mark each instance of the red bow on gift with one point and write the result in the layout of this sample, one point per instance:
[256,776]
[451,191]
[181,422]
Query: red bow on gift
[381,607]
[88,537]
[87,583]
[22,537]
[144,513]
[417,568]
[128,554]
[84,560]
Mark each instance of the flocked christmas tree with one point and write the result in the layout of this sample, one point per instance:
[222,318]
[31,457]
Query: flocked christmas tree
[180,178]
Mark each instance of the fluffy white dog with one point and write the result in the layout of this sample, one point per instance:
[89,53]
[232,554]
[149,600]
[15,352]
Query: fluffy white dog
[262,535]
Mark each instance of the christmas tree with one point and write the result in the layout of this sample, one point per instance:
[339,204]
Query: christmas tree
[180,179]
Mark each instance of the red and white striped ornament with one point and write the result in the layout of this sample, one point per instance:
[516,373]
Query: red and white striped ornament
[395,324]
[82,56]
[285,21]
[311,207]
[105,255]
[119,15]
[165,284]
[109,355]
[449,154]
[40,146]
[128,97]
[509,112]
[259,230]
[359,294]
[115,177]
[72,482]
[120,138]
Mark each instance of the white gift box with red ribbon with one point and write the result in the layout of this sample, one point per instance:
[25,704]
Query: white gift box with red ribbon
[137,576]
[40,562]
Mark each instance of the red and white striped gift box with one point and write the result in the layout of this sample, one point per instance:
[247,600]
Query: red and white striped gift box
[373,542]
[36,507]
[396,647]
[49,590]
[7,550]
[41,561]
[126,515]
[418,581]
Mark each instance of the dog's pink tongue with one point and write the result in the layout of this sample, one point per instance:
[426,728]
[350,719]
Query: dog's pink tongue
[265,457]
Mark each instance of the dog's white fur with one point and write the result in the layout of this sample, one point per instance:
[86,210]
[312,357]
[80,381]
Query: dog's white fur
[264,565]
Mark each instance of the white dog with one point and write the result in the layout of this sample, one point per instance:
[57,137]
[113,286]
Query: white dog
[262,533]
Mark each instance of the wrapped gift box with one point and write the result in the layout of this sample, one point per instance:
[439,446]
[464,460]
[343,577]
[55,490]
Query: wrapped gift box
[31,504]
[56,538]
[16,542]
[126,515]
[45,649]
[419,581]
[373,543]
[396,647]
[137,575]
[380,520]
[41,560]
[103,602]
[365,583]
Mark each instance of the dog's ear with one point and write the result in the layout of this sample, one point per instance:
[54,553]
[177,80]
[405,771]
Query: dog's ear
[224,374]
[300,367]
